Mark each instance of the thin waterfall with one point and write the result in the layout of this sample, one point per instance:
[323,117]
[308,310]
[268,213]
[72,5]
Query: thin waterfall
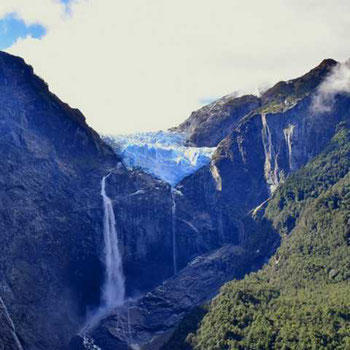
[288,135]
[11,324]
[113,291]
[271,169]
[173,220]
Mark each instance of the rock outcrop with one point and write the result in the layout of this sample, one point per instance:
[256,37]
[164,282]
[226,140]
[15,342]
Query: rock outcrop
[51,163]
[212,123]
[51,212]
[148,322]
[267,144]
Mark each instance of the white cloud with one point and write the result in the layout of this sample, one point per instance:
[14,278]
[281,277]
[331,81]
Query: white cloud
[47,12]
[146,64]
[338,82]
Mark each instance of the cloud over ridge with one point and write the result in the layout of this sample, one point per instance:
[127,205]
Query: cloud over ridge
[143,65]
[338,82]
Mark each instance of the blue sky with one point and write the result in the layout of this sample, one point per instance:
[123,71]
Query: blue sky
[138,65]
[12,28]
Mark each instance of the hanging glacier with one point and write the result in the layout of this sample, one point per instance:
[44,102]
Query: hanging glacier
[162,154]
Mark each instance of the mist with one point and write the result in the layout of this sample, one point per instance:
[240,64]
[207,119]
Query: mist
[337,82]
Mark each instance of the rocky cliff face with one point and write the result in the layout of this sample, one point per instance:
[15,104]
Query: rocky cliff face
[212,123]
[51,213]
[51,209]
[51,164]
[148,322]
[271,139]
[267,144]
[276,138]
[143,210]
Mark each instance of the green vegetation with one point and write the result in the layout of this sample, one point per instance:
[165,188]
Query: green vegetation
[252,314]
[279,106]
[188,325]
[301,299]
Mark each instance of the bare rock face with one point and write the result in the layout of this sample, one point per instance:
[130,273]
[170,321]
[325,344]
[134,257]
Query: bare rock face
[209,125]
[143,211]
[49,208]
[8,335]
[51,216]
[148,322]
[51,212]
[266,145]
[212,123]
[274,139]
[214,205]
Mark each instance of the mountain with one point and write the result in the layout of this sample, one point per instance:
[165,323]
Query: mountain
[212,123]
[65,191]
[214,205]
[49,218]
[52,164]
[300,300]
[52,265]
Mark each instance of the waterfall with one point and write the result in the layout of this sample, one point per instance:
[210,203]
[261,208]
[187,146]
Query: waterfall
[271,169]
[216,176]
[173,220]
[11,324]
[89,344]
[288,135]
[113,291]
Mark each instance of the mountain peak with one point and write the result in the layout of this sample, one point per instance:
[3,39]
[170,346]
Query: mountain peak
[299,87]
[327,62]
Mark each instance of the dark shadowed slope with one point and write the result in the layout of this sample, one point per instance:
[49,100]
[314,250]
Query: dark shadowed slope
[50,168]
[214,206]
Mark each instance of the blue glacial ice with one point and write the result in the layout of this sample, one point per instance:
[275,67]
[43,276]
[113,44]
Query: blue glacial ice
[162,154]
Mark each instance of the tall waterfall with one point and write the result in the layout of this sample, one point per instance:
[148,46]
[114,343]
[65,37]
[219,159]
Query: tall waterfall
[271,169]
[113,291]
[173,220]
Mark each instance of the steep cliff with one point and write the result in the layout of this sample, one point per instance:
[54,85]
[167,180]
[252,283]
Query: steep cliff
[214,206]
[51,266]
[51,209]
[301,298]
[212,123]
[51,164]
[148,322]
[266,146]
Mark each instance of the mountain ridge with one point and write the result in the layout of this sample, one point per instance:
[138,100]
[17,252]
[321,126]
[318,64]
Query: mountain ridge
[212,123]
[306,282]
[52,164]
[248,166]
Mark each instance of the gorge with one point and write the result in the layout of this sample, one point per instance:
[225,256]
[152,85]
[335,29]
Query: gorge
[116,242]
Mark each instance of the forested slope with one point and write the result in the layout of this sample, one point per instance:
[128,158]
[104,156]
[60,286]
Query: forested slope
[301,299]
